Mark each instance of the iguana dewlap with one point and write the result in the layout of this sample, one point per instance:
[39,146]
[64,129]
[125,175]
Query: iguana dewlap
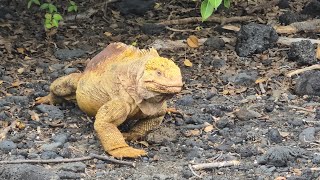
[119,84]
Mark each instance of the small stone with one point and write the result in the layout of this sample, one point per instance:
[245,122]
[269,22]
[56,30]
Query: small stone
[186,100]
[26,171]
[308,84]
[255,38]
[214,43]
[19,100]
[68,175]
[70,70]
[222,123]
[7,145]
[312,8]
[290,17]
[280,155]
[245,114]
[302,52]
[51,146]
[307,135]
[53,111]
[153,29]
[65,152]
[162,135]
[74,167]
[283,4]
[60,138]
[245,78]
[248,151]
[316,159]
[64,54]
[137,7]
[187,173]
[274,136]
[48,155]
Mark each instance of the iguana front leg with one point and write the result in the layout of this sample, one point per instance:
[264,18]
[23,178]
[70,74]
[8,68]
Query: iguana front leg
[108,117]
[142,127]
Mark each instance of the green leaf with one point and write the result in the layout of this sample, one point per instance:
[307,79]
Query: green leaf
[36,2]
[48,16]
[57,17]
[72,3]
[226,3]
[55,23]
[70,8]
[44,6]
[75,8]
[29,4]
[52,8]
[48,26]
[215,3]
[206,10]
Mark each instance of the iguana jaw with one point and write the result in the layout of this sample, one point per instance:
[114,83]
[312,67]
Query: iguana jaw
[169,88]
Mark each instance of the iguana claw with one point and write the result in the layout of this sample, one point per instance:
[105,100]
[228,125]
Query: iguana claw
[127,152]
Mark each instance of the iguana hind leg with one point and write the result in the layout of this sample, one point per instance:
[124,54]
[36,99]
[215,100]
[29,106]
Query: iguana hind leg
[108,117]
[143,126]
[63,88]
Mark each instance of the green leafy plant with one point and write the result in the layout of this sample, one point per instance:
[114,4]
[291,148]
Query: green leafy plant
[52,17]
[209,6]
[72,7]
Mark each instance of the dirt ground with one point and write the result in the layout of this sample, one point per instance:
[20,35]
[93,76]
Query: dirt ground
[238,110]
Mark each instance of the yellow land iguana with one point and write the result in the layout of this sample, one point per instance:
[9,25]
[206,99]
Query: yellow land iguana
[119,84]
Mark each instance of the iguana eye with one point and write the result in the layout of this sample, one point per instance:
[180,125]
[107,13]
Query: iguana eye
[159,73]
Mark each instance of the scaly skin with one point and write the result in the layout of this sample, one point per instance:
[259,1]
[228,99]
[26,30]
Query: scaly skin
[120,84]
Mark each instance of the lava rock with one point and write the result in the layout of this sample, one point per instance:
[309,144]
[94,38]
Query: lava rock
[7,145]
[186,100]
[274,136]
[317,117]
[290,17]
[312,8]
[222,123]
[308,84]
[247,114]
[2,71]
[64,54]
[49,155]
[244,78]
[302,52]
[74,167]
[51,146]
[70,70]
[162,135]
[214,110]
[60,138]
[53,111]
[137,7]
[26,171]
[316,159]
[283,4]
[279,156]
[255,38]
[68,175]
[19,100]
[214,43]
[307,135]
[153,29]
[247,151]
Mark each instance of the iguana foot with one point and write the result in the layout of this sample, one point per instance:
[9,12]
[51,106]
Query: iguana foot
[131,136]
[127,152]
[44,100]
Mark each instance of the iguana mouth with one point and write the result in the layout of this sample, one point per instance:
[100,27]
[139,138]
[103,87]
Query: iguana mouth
[162,88]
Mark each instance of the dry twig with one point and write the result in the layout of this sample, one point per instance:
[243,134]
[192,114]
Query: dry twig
[221,20]
[301,108]
[307,26]
[85,158]
[215,164]
[299,71]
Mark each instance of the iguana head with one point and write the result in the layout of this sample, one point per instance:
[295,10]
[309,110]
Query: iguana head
[161,75]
